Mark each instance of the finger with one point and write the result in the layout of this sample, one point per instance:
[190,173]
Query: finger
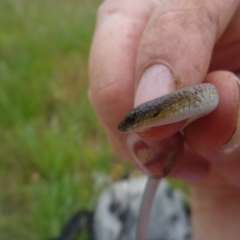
[216,136]
[175,49]
[165,158]
[226,147]
[112,61]
[226,53]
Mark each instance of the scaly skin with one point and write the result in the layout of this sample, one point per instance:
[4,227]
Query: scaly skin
[182,104]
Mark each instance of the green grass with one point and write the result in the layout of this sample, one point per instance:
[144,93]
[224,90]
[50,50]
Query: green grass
[50,140]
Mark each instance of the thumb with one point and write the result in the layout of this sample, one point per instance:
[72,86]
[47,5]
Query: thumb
[175,50]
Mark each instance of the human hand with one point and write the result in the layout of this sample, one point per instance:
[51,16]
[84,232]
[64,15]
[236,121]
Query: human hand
[160,46]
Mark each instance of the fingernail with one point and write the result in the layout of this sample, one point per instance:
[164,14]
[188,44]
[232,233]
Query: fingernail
[155,158]
[155,82]
[233,143]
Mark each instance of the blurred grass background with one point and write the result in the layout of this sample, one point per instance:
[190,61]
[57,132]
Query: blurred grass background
[50,140]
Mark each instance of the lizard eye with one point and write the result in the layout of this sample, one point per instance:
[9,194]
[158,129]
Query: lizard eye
[127,122]
[131,118]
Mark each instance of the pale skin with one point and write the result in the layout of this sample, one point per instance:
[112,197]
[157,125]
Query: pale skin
[199,41]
